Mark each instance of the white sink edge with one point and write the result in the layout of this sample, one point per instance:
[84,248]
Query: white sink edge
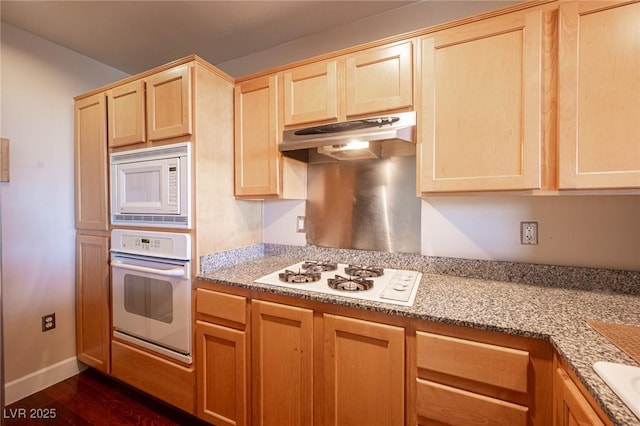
[621,378]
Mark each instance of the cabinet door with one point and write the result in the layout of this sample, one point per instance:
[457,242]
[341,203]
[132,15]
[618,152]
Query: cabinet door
[222,374]
[363,372]
[91,164]
[169,103]
[257,159]
[379,79]
[93,321]
[311,93]
[599,95]
[282,349]
[126,114]
[572,409]
[481,92]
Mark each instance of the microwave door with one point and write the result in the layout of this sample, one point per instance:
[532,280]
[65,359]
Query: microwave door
[148,187]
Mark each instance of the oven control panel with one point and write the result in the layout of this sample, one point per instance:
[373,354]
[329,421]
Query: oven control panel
[147,244]
[169,245]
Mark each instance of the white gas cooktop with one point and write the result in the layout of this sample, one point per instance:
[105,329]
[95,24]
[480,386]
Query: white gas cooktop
[398,287]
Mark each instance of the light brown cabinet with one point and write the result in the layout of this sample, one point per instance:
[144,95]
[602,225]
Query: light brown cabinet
[599,95]
[282,364]
[475,362]
[482,86]
[222,358]
[166,380]
[93,307]
[573,408]
[169,103]
[93,313]
[126,118]
[571,405]
[91,173]
[363,371]
[461,374]
[370,81]
[311,93]
[154,108]
[260,170]
[379,79]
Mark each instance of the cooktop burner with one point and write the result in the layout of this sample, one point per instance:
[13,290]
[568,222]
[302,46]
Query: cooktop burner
[313,266]
[363,271]
[347,280]
[350,284]
[292,277]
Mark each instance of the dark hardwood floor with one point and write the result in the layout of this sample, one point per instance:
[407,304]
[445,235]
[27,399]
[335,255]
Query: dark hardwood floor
[91,398]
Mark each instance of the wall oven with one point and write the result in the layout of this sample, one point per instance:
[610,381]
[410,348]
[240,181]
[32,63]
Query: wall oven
[152,186]
[151,291]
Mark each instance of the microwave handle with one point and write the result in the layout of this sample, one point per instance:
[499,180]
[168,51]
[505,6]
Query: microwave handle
[176,272]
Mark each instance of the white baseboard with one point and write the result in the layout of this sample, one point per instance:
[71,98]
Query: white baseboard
[41,379]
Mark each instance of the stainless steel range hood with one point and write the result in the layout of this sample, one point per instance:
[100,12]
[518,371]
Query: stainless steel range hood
[373,137]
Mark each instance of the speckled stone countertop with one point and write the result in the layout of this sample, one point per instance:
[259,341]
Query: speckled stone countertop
[539,301]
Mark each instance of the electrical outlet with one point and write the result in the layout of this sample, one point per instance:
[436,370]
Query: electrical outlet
[529,233]
[48,322]
[300,225]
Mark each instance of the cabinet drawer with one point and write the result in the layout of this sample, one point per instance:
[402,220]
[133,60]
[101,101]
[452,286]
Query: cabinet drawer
[446,405]
[220,305]
[484,363]
[163,379]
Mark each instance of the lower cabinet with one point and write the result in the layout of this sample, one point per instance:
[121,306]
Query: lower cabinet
[166,380]
[306,366]
[284,361]
[93,295]
[572,406]
[363,372]
[221,358]
[282,364]
[462,376]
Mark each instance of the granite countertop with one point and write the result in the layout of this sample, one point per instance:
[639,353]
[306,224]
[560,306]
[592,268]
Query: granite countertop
[554,313]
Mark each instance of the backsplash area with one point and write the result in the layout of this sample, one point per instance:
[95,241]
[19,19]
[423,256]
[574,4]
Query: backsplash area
[592,231]
[578,278]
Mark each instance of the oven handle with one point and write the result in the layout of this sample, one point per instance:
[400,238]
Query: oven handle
[176,272]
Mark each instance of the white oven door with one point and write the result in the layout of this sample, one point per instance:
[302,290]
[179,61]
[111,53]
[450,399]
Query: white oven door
[152,303]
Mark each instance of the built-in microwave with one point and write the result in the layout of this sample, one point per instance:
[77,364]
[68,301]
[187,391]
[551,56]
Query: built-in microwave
[152,186]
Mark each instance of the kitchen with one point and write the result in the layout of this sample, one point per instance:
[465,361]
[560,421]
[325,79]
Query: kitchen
[476,227]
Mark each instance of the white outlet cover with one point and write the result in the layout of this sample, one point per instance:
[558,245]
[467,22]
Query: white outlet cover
[529,233]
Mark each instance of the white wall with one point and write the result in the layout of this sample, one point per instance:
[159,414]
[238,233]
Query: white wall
[39,81]
[582,230]
[280,220]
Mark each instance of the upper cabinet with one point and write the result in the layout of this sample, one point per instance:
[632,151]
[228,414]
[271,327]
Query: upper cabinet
[260,170]
[311,93]
[481,105]
[169,103]
[599,95]
[379,79]
[256,140]
[91,174]
[127,125]
[154,108]
[370,81]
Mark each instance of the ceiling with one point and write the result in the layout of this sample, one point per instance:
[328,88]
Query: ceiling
[134,36]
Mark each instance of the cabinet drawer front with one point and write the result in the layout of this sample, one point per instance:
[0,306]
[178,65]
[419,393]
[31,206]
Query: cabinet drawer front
[473,361]
[163,379]
[220,305]
[452,406]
